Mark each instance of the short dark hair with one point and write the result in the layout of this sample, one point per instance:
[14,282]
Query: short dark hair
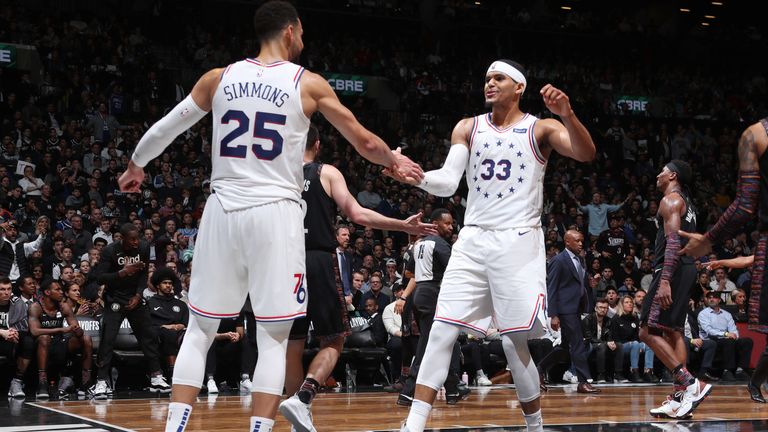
[272,17]
[601,300]
[48,283]
[312,136]
[127,228]
[438,214]
[341,227]
[5,280]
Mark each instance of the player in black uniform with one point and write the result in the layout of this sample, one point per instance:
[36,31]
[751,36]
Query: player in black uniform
[431,256]
[123,270]
[54,341]
[662,319]
[751,200]
[324,190]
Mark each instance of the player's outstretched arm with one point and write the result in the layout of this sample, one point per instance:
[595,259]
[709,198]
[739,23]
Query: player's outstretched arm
[743,209]
[183,116]
[444,181]
[317,95]
[363,216]
[738,262]
[569,138]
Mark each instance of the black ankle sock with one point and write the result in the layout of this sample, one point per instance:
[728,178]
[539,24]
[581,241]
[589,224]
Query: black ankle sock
[308,390]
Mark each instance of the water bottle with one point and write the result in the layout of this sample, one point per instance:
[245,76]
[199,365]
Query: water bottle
[350,381]
[465,378]
[114,374]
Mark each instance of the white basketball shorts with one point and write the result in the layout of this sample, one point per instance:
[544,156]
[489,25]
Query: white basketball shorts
[257,250]
[495,278]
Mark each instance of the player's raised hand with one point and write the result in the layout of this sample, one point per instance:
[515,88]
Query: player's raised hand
[131,179]
[413,225]
[555,100]
[698,244]
[404,169]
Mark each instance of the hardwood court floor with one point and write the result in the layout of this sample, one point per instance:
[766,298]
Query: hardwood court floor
[487,408]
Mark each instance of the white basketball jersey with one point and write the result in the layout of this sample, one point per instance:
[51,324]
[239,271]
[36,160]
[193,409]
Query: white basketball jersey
[259,134]
[505,175]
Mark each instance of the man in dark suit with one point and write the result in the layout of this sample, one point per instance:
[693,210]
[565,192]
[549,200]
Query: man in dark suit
[567,298]
[345,261]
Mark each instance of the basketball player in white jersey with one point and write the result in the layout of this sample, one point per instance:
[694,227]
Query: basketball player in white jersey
[498,268]
[251,235]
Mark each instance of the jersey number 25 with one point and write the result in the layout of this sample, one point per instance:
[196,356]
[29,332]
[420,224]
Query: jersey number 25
[259,131]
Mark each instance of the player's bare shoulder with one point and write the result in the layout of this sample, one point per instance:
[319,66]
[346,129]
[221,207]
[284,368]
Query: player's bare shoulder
[462,131]
[205,88]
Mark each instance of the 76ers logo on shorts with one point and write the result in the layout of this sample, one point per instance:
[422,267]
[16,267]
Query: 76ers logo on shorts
[299,289]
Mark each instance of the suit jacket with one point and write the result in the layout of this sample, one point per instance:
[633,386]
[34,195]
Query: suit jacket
[567,292]
[345,274]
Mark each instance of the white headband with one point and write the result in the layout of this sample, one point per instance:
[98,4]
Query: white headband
[508,70]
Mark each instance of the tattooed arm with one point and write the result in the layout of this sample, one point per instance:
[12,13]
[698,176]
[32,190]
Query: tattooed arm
[752,145]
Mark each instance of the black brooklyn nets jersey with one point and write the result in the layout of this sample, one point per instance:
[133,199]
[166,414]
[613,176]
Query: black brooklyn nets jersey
[51,322]
[318,220]
[687,224]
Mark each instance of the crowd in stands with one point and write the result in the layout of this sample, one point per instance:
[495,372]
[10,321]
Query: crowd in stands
[106,79]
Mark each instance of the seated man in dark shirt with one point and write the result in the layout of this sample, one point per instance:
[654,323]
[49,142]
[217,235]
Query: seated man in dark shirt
[169,315]
[382,300]
[227,346]
[376,322]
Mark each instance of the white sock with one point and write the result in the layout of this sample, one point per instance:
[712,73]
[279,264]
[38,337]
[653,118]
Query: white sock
[178,417]
[480,373]
[417,417]
[534,421]
[261,424]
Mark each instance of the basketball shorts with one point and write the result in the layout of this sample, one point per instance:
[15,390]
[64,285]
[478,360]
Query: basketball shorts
[326,307]
[672,319]
[495,278]
[257,251]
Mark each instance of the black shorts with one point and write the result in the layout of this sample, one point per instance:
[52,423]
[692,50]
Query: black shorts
[672,319]
[8,348]
[27,346]
[326,307]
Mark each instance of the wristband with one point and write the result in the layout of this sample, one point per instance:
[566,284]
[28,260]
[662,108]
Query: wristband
[401,298]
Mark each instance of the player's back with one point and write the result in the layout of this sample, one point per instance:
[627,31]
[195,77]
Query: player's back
[504,175]
[259,134]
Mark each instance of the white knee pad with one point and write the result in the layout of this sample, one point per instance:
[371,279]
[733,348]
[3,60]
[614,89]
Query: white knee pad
[272,341]
[437,357]
[524,372]
[190,363]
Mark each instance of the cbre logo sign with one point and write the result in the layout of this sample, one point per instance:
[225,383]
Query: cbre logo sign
[345,84]
[7,55]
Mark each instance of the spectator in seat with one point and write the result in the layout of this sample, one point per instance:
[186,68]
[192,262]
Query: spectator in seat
[381,299]
[695,344]
[376,322]
[718,325]
[738,306]
[227,346]
[625,327]
[393,324]
[721,282]
[597,332]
